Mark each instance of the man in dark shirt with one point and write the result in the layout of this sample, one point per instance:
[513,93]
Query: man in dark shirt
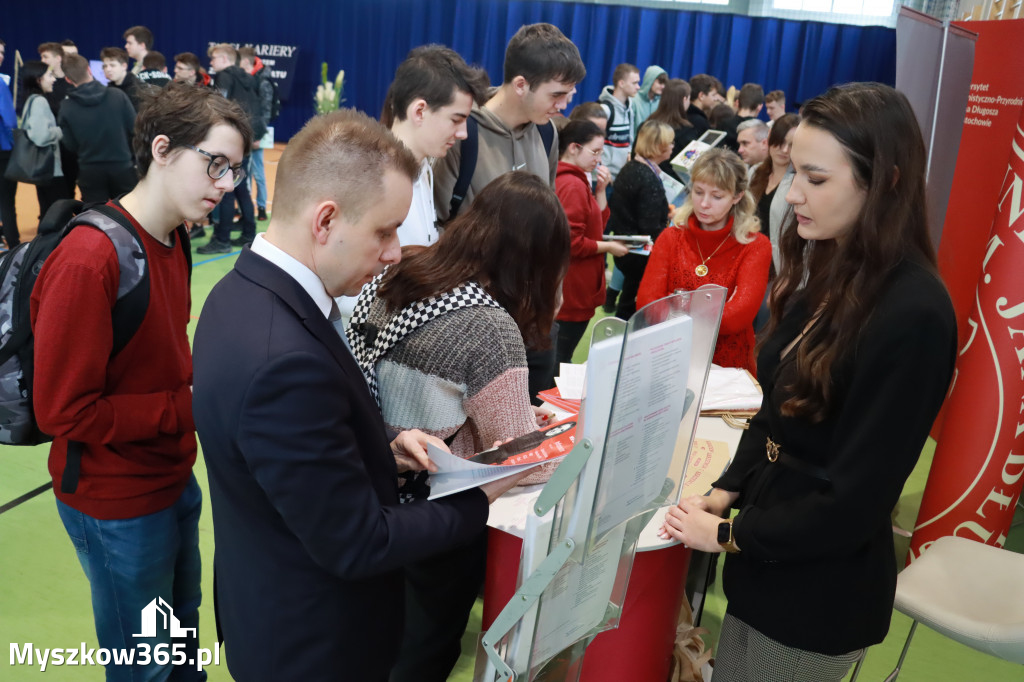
[705,93]
[154,70]
[115,69]
[749,103]
[98,123]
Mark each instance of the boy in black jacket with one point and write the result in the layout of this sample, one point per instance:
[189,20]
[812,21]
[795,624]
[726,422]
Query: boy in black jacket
[98,124]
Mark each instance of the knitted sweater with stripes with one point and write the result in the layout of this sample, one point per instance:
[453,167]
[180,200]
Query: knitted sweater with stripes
[461,374]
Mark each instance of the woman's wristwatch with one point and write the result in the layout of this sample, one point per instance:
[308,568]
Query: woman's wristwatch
[725,537]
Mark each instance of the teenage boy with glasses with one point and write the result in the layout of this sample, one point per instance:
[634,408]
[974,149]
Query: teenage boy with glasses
[133,517]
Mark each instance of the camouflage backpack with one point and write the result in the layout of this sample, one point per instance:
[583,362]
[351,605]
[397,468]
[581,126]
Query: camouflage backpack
[19,269]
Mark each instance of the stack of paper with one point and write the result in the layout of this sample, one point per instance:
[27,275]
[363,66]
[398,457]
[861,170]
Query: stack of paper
[570,380]
[731,389]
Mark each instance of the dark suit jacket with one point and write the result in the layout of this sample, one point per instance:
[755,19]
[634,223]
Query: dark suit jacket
[310,538]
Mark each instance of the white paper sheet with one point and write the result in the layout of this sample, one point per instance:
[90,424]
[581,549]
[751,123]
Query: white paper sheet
[649,401]
[576,601]
[455,474]
[570,380]
[730,388]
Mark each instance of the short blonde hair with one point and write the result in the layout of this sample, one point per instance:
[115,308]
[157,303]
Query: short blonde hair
[725,170]
[341,156]
[229,51]
[652,138]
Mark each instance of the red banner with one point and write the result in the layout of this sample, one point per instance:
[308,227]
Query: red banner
[978,470]
[994,104]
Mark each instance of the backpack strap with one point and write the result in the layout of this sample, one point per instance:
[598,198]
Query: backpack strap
[469,149]
[547,135]
[610,110]
[133,282]
[132,296]
[186,247]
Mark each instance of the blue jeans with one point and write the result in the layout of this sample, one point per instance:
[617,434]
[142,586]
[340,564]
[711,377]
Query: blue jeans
[256,170]
[131,562]
[617,279]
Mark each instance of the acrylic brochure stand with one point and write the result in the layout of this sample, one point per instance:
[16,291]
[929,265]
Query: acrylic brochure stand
[644,381]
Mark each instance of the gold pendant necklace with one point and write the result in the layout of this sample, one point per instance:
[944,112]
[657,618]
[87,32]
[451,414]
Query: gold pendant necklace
[702,269]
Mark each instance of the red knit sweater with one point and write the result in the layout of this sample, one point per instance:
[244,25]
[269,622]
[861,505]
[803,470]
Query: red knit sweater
[133,411]
[741,268]
[583,288]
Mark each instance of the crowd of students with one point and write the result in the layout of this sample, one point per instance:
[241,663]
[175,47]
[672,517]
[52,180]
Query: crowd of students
[90,126]
[330,562]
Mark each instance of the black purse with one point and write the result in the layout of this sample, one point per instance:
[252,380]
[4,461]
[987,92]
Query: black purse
[28,162]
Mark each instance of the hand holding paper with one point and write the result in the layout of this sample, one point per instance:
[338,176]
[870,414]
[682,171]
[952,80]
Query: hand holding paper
[410,450]
[517,456]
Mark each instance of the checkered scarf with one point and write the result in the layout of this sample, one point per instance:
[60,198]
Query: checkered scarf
[369,345]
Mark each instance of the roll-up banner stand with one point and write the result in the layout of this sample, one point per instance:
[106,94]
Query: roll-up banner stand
[976,475]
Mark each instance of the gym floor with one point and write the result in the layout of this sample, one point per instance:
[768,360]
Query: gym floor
[44,596]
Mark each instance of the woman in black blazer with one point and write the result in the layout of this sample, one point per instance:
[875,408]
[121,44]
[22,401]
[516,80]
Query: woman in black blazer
[854,367]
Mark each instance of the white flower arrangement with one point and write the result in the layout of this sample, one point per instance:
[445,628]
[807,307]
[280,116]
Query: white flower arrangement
[328,95]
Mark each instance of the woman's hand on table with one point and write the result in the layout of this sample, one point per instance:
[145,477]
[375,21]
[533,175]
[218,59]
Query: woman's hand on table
[693,525]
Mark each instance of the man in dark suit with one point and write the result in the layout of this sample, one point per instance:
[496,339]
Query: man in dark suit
[309,533]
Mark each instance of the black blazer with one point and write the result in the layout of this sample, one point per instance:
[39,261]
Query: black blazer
[817,570]
[310,538]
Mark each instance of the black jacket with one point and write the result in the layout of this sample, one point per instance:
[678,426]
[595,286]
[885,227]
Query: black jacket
[817,567]
[698,118]
[98,122]
[153,77]
[131,86]
[241,87]
[311,540]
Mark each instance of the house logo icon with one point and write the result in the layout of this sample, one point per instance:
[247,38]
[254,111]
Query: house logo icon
[159,609]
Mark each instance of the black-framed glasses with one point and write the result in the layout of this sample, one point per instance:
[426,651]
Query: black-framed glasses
[220,165]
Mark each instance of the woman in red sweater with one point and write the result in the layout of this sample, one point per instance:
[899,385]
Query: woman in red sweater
[715,240]
[579,145]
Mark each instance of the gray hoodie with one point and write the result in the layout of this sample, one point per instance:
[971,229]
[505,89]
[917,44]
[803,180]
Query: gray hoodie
[643,106]
[500,150]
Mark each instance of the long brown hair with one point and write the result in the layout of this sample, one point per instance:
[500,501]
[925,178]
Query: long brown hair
[670,107]
[776,138]
[513,241]
[842,280]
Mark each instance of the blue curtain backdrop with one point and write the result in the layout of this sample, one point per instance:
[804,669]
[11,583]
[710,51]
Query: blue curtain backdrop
[368,38]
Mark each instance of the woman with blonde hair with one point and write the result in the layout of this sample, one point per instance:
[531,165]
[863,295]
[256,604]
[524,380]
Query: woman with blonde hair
[715,240]
[639,206]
